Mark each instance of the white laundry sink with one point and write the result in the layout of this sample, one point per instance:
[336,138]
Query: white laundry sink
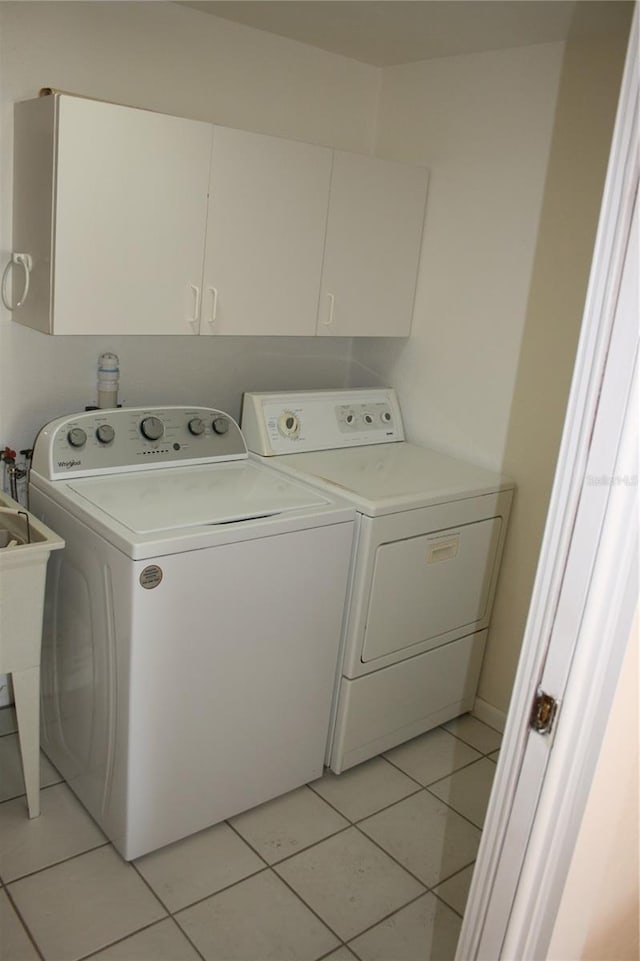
[25,546]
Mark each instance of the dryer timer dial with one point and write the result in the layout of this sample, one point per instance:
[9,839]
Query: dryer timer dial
[289,424]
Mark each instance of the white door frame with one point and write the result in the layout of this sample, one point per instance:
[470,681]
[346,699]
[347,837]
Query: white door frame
[584,596]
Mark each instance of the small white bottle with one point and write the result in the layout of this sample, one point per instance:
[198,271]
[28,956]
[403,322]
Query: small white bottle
[108,379]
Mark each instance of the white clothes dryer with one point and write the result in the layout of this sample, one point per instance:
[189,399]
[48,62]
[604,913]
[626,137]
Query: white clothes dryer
[192,623]
[430,532]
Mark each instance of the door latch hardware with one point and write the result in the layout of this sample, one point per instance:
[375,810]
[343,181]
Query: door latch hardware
[543,714]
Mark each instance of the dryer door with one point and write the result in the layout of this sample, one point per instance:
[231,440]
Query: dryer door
[427,589]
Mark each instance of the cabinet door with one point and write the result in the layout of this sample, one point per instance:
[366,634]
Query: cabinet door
[129,222]
[267,214]
[374,233]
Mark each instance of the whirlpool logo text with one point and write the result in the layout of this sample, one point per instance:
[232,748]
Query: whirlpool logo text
[68,463]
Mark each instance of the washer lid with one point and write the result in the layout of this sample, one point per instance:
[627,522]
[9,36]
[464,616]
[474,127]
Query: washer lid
[172,498]
[382,479]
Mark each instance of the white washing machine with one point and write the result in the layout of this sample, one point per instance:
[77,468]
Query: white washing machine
[430,531]
[192,623]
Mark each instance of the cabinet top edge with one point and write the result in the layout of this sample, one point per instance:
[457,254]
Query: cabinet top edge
[54,96]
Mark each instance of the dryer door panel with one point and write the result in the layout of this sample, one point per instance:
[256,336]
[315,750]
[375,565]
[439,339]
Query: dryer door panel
[428,586]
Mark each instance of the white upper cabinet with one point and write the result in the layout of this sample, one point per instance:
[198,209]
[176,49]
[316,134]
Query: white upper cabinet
[265,234]
[372,248]
[112,208]
[142,223]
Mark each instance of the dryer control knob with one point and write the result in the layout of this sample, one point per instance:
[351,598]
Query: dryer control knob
[152,428]
[289,424]
[77,437]
[220,425]
[105,433]
[196,426]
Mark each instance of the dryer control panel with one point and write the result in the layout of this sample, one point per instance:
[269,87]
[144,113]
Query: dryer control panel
[141,438]
[288,423]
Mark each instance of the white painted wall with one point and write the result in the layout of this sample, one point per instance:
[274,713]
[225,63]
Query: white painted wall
[482,123]
[587,100]
[180,61]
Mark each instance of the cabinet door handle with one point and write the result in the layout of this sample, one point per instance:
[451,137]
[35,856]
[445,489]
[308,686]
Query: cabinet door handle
[195,320]
[329,318]
[214,306]
[26,262]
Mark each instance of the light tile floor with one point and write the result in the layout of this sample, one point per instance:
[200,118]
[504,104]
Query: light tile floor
[372,865]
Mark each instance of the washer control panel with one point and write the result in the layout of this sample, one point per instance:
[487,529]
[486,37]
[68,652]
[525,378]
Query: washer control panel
[287,423]
[107,441]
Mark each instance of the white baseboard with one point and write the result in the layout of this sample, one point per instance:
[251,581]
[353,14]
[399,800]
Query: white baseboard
[489,714]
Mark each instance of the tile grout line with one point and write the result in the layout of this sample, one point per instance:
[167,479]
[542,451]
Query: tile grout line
[145,927]
[212,894]
[458,737]
[393,858]
[432,891]
[456,770]
[55,864]
[419,787]
[309,908]
[262,870]
[451,808]
[399,863]
[386,917]
[423,788]
[351,824]
[294,854]
[266,868]
[24,923]
[327,955]
[398,768]
[451,876]
[45,787]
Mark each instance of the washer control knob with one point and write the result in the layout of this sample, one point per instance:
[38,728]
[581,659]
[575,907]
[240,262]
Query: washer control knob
[77,437]
[105,433]
[288,424]
[368,419]
[220,425]
[386,417]
[350,419]
[196,426]
[152,428]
